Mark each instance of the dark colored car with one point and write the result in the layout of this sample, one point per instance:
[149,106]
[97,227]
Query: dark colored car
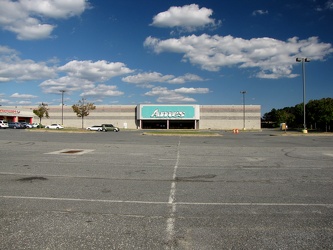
[109,127]
[15,125]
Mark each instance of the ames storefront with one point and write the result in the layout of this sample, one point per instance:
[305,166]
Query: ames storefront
[168,116]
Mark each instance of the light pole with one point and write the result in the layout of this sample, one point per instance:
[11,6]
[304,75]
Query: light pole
[243,92]
[303,60]
[62,106]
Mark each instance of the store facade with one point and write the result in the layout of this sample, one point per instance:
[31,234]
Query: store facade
[168,116]
[147,116]
[16,115]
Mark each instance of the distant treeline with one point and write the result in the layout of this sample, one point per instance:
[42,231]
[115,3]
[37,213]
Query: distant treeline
[319,115]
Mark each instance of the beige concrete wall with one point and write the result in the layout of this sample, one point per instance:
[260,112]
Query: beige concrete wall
[211,116]
[229,117]
[119,115]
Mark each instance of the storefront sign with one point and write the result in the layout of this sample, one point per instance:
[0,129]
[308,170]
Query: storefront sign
[11,111]
[168,112]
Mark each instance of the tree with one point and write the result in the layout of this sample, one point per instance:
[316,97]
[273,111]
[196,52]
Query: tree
[42,111]
[325,111]
[285,116]
[312,113]
[82,109]
[318,113]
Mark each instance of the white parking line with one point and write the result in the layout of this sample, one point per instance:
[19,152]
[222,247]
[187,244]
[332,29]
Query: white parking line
[170,229]
[258,204]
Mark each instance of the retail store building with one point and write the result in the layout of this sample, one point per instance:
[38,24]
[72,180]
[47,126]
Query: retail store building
[147,116]
[13,114]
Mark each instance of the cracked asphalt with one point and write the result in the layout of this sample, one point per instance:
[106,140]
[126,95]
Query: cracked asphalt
[126,190]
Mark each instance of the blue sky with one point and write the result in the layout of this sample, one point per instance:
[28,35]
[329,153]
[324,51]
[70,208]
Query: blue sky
[165,52]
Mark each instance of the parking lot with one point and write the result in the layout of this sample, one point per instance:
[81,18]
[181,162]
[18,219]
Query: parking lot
[252,190]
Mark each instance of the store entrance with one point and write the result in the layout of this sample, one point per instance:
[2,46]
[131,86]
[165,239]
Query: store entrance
[154,124]
[163,124]
[181,124]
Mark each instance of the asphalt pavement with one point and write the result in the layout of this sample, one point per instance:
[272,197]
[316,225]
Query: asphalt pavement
[126,190]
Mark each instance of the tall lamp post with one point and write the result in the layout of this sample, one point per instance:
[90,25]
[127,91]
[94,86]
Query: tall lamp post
[303,60]
[243,92]
[62,106]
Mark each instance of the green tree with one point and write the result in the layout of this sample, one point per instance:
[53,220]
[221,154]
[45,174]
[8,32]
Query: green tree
[41,111]
[270,118]
[312,114]
[286,115]
[319,115]
[325,111]
[82,109]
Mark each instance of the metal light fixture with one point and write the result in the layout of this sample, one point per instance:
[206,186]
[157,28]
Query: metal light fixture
[303,60]
[62,106]
[243,92]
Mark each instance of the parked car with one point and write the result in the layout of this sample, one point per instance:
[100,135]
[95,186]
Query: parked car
[95,128]
[26,125]
[109,127]
[54,126]
[15,125]
[3,124]
[34,125]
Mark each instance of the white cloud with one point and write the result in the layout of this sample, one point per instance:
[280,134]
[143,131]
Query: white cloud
[4,100]
[25,17]
[165,95]
[102,90]
[81,75]
[55,8]
[329,5]
[13,68]
[188,17]
[192,90]
[274,57]
[7,50]
[259,12]
[24,103]
[185,78]
[99,71]
[69,84]
[326,6]
[146,79]
[72,84]
[22,96]
[175,99]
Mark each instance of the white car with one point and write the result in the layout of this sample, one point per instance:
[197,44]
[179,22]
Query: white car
[34,125]
[3,124]
[54,126]
[95,128]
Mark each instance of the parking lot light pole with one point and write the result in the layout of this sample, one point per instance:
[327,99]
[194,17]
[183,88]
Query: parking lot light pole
[303,60]
[243,92]
[62,106]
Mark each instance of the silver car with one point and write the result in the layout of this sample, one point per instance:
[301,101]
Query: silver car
[95,128]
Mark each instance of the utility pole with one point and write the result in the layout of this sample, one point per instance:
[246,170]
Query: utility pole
[243,92]
[303,60]
[62,106]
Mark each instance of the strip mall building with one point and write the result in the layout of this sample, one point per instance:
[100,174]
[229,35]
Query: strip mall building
[147,116]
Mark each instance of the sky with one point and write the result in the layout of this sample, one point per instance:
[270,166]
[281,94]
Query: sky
[133,52]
